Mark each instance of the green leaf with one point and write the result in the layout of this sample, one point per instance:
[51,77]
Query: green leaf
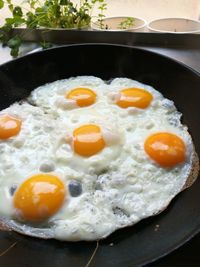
[10,7]
[15,42]
[46,45]
[32,3]
[14,51]
[10,21]
[31,21]
[126,23]
[15,21]
[17,11]
[101,15]
[72,9]
[41,9]
[54,11]
[3,36]
[19,21]
[6,28]
[64,2]
[1,4]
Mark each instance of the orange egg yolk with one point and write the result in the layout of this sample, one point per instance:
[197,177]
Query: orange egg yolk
[9,126]
[39,197]
[88,140]
[166,149]
[134,97]
[83,96]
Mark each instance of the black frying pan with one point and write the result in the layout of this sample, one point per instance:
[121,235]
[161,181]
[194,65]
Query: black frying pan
[143,242]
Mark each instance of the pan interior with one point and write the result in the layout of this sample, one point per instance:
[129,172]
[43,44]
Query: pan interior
[143,242]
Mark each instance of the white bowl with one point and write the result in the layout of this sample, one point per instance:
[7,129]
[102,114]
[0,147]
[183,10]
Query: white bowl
[113,24]
[174,25]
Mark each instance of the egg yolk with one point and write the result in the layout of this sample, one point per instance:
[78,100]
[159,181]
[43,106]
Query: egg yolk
[88,140]
[166,149]
[83,96]
[9,126]
[134,97]
[39,197]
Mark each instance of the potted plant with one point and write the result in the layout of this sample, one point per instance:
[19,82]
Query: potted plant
[50,14]
[122,23]
[174,25]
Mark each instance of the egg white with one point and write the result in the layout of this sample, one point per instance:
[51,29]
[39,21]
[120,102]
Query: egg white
[22,155]
[120,185]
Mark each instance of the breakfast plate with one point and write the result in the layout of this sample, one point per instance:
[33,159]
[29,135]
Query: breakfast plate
[151,238]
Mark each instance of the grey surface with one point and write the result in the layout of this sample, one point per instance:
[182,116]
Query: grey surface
[67,36]
[5,51]
[188,56]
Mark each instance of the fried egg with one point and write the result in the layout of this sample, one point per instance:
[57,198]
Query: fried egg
[83,157]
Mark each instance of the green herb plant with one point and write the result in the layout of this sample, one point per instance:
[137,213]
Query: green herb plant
[126,23]
[48,14]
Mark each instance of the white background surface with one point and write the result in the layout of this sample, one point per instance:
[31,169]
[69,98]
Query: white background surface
[154,9]
[146,9]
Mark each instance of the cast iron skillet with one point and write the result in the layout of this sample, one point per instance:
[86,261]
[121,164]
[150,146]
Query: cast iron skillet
[133,246]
